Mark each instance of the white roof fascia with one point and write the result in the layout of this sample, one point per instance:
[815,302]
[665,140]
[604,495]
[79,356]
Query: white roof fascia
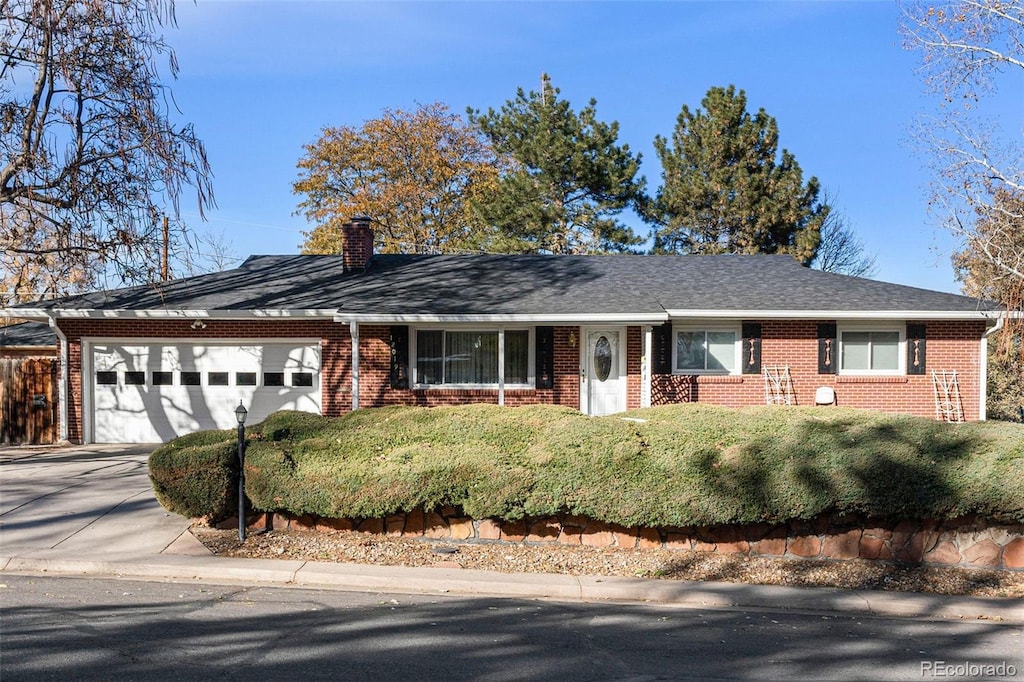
[52,346]
[37,314]
[838,314]
[171,314]
[545,318]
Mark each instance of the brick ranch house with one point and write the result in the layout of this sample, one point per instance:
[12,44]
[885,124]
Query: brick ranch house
[603,334]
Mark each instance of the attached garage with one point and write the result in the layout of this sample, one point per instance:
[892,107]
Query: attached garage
[153,391]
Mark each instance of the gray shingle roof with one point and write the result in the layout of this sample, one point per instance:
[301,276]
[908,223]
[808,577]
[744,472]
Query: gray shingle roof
[260,283]
[527,285]
[28,334]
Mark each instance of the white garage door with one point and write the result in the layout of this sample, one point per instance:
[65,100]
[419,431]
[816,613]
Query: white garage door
[150,393]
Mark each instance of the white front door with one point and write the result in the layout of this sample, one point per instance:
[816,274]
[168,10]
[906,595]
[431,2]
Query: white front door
[603,379]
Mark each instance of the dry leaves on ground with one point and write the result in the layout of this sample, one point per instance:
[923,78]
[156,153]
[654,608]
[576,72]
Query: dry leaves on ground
[363,548]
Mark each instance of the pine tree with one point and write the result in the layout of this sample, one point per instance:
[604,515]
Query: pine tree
[569,176]
[724,191]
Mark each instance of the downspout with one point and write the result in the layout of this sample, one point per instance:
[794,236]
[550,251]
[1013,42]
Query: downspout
[62,382]
[983,369]
[353,331]
[501,366]
[645,367]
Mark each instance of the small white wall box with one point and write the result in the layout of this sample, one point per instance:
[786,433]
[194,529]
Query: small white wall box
[824,396]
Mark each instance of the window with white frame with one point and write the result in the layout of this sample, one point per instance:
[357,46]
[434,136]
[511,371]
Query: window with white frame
[706,350]
[870,351]
[470,357]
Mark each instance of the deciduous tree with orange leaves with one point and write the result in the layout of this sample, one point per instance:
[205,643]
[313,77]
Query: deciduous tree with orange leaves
[413,172]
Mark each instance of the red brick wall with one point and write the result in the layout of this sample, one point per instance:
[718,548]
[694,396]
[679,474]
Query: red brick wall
[950,346]
[634,374]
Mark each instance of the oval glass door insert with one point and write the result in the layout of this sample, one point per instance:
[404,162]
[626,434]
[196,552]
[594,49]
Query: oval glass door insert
[602,358]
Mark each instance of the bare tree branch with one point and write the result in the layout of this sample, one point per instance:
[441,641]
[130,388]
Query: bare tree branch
[91,159]
[967,49]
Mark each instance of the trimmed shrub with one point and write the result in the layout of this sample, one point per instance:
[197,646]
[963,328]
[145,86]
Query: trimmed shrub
[197,475]
[677,465]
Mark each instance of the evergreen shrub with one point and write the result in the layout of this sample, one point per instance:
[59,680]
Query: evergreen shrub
[677,465]
[197,475]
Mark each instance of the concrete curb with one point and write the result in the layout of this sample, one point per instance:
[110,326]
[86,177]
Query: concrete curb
[455,582]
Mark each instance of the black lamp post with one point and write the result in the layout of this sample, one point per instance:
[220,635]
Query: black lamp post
[240,415]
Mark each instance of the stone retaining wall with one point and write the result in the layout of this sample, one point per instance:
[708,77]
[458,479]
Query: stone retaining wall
[968,542]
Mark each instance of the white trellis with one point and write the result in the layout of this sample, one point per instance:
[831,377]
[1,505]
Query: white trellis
[778,387]
[948,407]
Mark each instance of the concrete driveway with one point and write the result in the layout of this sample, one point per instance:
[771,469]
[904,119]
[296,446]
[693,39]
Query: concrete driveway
[81,502]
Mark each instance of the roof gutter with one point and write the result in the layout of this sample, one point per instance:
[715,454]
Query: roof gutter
[62,382]
[163,314]
[677,313]
[502,318]
[33,314]
[983,367]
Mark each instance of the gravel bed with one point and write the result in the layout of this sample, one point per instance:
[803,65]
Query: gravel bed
[363,548]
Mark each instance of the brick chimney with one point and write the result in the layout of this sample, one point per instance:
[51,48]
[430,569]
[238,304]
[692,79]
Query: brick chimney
[356,243]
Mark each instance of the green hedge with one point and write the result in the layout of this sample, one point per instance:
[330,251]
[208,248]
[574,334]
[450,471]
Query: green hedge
[197,475]
[684,465]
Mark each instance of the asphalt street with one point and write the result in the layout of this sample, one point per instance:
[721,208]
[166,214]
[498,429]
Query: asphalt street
[88,628]
[100,583]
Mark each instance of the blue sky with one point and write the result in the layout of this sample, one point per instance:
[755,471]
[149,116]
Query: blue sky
[260,79]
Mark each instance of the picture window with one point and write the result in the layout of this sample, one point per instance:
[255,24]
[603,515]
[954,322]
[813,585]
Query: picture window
[470,357]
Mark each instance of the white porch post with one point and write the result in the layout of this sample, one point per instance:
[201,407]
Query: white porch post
[501,366]
[645,367]
[353,331]
[62,384]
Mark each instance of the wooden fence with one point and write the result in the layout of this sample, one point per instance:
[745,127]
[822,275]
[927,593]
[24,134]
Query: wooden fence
[28,401]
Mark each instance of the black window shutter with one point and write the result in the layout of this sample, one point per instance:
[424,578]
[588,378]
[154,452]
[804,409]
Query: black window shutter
[828,349]
[915,349]
[751,348]
[661,349]
[545,356]
[400,356]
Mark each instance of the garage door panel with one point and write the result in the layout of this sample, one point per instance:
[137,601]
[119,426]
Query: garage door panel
[198,386]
